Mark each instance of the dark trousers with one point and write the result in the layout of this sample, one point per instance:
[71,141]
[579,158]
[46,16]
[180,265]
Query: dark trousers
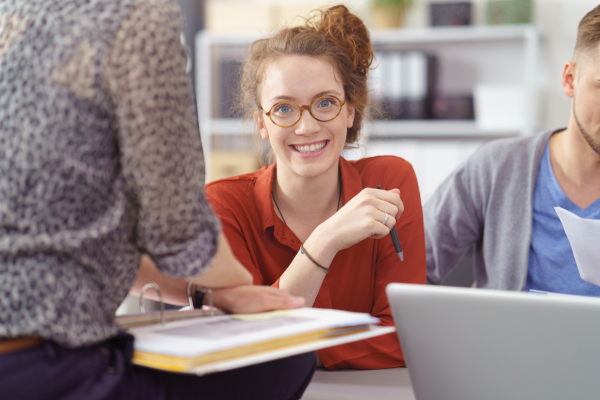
[104,371]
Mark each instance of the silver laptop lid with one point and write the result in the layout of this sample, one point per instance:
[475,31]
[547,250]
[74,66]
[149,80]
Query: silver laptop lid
[480,344]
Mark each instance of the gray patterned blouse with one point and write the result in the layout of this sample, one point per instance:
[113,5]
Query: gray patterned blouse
[100,160]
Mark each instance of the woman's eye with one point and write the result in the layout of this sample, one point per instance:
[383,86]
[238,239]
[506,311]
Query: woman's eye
[283,109]
[326,103]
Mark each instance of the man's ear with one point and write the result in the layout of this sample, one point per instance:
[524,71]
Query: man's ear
[568,78]
[350,117]
[260,123]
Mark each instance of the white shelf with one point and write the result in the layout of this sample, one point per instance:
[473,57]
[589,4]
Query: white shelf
[453,34]
[396,36]
[389,129]
[430,129]
[230,127]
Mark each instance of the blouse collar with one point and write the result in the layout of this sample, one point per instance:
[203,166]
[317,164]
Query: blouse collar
[351,186]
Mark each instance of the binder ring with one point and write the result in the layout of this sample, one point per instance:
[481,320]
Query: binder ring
[204,291]
[162,304]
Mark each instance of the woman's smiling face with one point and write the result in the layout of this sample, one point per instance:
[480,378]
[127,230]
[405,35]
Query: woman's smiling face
[309,148]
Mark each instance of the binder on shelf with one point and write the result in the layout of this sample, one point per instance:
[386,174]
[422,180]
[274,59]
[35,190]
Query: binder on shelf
[420,74]
[194,342]
[229,84]
[405,83]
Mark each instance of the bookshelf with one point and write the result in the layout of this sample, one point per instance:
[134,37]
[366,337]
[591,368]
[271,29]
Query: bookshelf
[466,56]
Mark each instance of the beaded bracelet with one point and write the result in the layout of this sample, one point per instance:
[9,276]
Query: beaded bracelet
[303,251]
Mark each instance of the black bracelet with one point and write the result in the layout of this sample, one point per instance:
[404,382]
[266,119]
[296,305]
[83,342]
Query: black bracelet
[195,297]
[198,298]
[303,251]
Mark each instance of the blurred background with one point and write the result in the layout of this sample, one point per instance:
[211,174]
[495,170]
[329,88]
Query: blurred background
[450,76]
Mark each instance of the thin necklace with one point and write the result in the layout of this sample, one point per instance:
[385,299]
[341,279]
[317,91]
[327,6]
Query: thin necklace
[280,213]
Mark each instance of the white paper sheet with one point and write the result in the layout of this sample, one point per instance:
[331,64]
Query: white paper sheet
[584,236]
[193,338]
[290,351]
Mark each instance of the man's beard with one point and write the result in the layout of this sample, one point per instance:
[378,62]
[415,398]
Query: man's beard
[595,146]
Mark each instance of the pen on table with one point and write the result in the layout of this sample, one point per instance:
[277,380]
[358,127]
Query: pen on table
[395,240]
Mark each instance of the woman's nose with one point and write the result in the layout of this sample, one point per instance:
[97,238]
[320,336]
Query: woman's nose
[307,124]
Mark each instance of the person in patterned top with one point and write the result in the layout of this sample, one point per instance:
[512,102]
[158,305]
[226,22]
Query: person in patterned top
[101,162]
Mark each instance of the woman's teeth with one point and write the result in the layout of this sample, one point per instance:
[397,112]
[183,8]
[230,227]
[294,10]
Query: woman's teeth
[310,148]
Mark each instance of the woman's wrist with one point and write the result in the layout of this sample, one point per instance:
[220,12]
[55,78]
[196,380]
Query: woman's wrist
[321,247]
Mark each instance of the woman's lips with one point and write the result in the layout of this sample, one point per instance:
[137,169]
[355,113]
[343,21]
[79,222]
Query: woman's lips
[310,150]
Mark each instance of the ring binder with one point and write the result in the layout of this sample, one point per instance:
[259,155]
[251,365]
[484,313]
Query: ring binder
[210,301]
[162,304]
[189,294]
[191,343]
[204,291]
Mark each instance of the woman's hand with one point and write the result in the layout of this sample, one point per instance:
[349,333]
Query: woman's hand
[240,299]
[363,217]
[359,219]
[252,299]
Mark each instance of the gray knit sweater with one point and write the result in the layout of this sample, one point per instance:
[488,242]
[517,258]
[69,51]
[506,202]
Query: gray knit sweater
[487,203]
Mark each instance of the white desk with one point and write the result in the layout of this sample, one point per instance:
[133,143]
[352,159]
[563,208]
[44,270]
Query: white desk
[383,384]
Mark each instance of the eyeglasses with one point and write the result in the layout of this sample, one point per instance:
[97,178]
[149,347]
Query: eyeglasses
[287,113]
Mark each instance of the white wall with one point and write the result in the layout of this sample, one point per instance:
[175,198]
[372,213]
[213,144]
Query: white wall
[431,159]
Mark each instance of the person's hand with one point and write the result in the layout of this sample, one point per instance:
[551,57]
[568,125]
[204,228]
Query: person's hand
[252,299]
[362,217]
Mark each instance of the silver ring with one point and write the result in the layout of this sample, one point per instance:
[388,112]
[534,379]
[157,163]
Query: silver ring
[385,220]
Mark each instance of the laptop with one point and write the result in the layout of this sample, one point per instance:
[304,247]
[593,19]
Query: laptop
[476,344]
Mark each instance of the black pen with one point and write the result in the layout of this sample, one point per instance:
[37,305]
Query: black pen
[395,240]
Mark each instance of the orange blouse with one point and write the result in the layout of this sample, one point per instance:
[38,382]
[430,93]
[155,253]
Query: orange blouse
[358,275]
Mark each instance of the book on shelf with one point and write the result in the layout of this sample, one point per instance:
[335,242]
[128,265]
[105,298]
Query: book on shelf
[194,342]
[230,74]
[405,83]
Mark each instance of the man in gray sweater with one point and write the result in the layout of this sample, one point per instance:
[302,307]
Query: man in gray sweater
[501,200]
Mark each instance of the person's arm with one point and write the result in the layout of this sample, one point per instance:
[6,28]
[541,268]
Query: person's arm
[225,271]
[359,219]
[384,351]
[144,76]
[453,223]
[244,298]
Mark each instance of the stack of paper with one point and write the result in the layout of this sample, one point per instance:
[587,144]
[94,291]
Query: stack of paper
[584,236]
[205,344]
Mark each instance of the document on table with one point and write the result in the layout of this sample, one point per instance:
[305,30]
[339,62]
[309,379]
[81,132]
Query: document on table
[210,344]
[584,236]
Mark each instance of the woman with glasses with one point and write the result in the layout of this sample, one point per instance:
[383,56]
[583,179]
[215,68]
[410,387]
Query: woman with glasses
[312,223]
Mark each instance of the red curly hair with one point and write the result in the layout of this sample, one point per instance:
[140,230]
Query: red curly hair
[335,35]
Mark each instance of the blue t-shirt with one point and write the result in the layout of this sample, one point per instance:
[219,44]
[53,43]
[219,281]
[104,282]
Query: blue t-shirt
[552,266]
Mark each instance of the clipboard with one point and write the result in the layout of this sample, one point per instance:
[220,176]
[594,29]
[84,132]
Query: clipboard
[193,342]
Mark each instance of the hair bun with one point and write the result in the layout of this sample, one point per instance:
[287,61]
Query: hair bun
[347,31]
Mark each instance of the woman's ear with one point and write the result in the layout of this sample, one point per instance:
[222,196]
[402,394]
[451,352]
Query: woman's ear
[260,123]
[350,117]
